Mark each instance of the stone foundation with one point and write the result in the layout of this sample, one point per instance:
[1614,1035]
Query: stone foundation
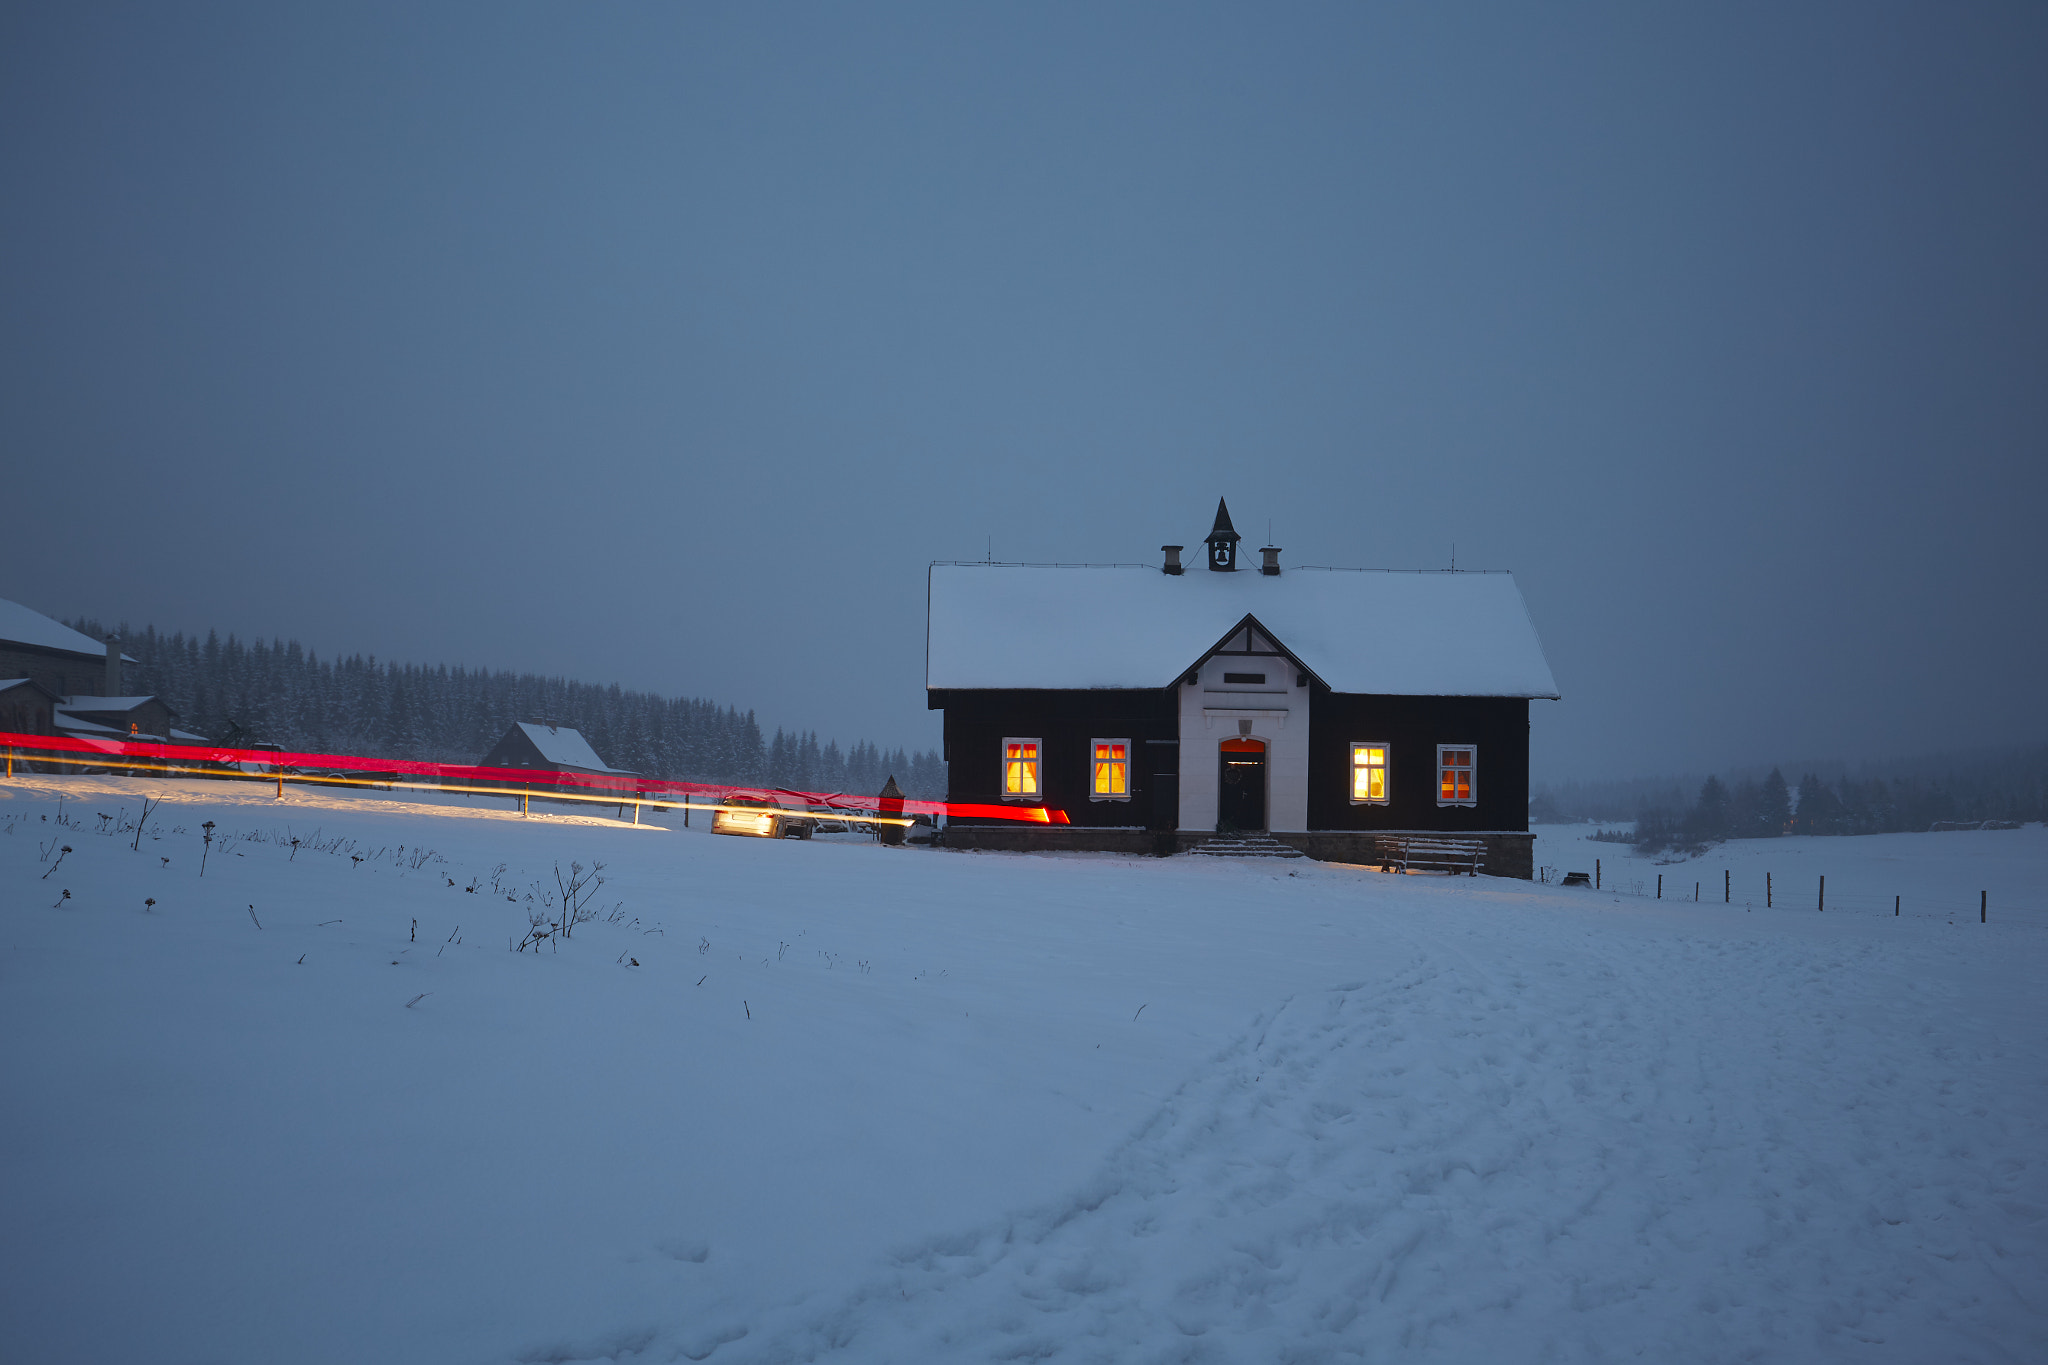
[1509,853]
[1022,838]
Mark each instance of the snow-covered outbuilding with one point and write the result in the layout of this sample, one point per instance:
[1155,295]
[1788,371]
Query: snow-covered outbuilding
[551,748]
[131,718]
[1155,708]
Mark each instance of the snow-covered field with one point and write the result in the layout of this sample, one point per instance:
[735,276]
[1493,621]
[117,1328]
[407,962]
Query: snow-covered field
[870,1104]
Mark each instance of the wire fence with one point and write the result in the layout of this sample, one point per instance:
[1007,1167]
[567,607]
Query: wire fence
[1805,893]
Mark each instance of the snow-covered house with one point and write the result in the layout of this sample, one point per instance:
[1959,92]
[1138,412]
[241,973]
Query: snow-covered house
[60,659]
[1154,708]
[551,748]
[83,678]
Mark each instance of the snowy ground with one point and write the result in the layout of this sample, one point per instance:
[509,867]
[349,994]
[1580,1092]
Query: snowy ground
[870,1104]
[1936,876]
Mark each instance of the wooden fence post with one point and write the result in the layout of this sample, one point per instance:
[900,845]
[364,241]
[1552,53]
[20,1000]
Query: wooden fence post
[1660,886]
[1983,907]
[1725,883]
[1895,907]
[1596,874]
[1823,894]
[1767,890]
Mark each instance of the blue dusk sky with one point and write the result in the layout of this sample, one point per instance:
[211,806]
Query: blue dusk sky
[666,345]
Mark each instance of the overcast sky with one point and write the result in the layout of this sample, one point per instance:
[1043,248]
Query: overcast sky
[666,345]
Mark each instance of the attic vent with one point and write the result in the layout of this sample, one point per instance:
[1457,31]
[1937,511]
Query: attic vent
[1256,679]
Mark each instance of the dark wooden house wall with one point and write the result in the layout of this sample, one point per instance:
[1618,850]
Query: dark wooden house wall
[515,750]
[152,717]
[1498,727]
[65,674]
[25,711]
[1065,723]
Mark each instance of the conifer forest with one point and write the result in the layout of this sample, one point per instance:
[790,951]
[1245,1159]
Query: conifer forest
[279,692]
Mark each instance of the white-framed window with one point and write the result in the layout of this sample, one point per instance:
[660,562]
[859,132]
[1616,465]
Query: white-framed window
[1457,775]
[1369,774]
[1020,769]
[1110,770]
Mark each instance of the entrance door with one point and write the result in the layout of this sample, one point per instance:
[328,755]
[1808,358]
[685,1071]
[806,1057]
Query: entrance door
[1241,792]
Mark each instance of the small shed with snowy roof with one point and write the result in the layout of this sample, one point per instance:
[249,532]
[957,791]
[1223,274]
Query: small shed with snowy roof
[1154,708]
[134,718]
[548,748]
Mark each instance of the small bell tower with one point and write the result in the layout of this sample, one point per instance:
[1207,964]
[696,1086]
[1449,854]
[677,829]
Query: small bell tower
[1223,538]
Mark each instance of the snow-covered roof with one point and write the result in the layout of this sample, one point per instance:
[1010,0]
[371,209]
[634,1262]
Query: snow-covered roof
[559,744]
[1382,633]
[72,725]
[19,625]
[101,703]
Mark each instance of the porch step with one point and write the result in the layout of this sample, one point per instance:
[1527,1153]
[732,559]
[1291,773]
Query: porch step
[1246,846]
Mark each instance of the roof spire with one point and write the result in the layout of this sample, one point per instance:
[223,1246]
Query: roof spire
[1222,541]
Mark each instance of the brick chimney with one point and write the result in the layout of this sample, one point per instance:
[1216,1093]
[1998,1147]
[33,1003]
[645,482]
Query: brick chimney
[112,687]
[1271,568]
[1173,564]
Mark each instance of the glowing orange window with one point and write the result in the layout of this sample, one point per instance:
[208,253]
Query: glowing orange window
[1457,773]
[1369,774]
[1112,770]
[1020,769]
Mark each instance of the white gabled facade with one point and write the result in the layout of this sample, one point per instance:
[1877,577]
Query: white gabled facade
[1274,711]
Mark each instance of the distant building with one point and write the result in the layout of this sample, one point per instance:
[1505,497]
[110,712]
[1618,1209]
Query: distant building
[548,748]
[82,678]
[137,718]
[27,707]
[1332,710]
[58,658]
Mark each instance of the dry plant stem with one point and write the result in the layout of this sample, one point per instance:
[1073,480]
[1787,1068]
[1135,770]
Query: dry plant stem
[147,806]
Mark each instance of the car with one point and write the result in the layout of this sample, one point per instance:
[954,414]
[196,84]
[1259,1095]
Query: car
[760,817]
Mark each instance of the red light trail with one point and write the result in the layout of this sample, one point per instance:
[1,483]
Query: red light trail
[179,760]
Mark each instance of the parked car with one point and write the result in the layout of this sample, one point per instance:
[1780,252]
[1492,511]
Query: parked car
[760,817]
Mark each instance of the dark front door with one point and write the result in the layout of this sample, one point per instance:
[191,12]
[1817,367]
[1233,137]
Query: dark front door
[1241,795]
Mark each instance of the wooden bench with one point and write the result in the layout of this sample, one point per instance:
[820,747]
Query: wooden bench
[1445,853]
